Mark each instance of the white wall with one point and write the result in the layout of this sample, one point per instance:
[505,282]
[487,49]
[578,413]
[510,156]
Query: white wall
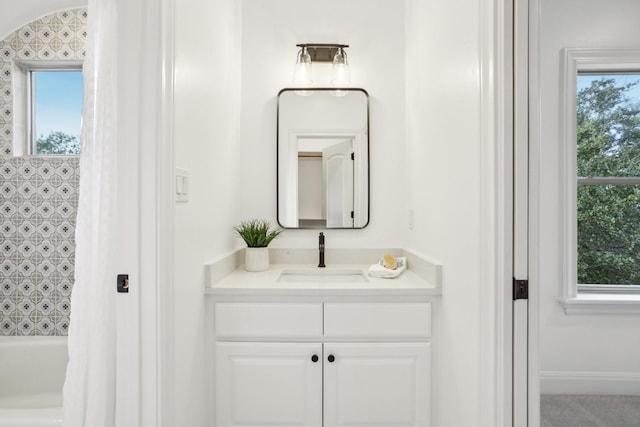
[592,344]
[444,185]
[207,96]
[270,31]
[18,13]
[420,63]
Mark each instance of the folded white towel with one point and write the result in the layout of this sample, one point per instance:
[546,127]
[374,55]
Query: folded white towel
[379,270]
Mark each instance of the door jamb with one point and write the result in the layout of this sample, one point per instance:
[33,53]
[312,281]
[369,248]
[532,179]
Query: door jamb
[534,219]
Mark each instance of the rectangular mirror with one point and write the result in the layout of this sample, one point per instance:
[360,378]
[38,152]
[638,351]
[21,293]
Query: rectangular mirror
[323,158]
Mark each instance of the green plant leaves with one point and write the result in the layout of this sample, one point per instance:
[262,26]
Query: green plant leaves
[256,233]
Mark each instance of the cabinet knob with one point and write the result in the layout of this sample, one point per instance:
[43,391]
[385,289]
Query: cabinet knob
[314,358]
[331,358]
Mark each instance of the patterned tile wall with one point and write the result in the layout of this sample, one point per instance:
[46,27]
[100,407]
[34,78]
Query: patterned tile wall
[39,195]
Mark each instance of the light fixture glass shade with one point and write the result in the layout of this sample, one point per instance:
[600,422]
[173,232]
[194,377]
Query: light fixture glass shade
[302,72]
[340,75]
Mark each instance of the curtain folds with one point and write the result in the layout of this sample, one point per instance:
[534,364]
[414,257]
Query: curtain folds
[89,389]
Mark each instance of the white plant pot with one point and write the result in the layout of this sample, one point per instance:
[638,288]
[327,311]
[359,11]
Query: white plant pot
[256,259]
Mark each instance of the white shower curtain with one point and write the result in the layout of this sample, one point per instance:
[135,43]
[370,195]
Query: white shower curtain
[89,389]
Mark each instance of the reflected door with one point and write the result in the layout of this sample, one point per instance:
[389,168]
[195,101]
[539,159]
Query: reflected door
[337,171]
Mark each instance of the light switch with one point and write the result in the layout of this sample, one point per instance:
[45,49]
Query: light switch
[182,185]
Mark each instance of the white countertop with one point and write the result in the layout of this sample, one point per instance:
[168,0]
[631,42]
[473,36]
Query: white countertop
[241,282]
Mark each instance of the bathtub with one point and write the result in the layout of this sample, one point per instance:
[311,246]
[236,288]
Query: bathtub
[32,371]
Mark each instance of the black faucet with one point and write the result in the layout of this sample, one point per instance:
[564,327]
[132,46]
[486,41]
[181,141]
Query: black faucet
[321,248]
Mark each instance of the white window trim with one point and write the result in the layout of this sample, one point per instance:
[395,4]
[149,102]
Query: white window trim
[22,101]
[592,299]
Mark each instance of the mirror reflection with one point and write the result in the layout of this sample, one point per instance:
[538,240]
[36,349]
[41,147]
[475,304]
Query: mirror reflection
[323,158]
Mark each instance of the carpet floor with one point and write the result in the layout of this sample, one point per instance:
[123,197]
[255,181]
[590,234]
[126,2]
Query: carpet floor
[565,410]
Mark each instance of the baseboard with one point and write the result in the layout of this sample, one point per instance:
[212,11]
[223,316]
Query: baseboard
[568,382]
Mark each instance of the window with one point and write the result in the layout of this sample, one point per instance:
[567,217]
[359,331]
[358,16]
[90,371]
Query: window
[48,108]
[608,179]
[602,172]
[56,105]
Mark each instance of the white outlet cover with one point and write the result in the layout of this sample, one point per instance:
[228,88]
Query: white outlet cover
[410,219]
[182,185]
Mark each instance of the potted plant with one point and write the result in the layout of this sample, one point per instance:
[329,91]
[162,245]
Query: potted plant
[257,234]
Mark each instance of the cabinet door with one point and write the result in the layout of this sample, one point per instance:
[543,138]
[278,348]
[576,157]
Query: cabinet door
[385,384]
[268,384]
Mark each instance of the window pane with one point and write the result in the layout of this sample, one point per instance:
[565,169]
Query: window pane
[57,111]
[609,234]
[608,124]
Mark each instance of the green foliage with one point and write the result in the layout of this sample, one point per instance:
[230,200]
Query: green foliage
[608,136]
[256,233]
[58,143]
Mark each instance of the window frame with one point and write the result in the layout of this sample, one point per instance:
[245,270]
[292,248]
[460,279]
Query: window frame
[24,140]
[575,297]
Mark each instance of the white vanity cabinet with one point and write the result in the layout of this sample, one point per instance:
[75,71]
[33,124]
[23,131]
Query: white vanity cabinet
[268,384]
[377,384]
[322,362]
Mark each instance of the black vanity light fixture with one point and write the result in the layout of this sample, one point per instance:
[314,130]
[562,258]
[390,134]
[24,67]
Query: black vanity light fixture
[322,52]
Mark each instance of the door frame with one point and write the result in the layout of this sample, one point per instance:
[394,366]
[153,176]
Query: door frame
[495,303]
[520,304]
[526,180]
[497,216]
[155,143]
[533,55]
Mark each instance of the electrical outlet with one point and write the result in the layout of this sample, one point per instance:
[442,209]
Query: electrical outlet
[410,219]
[182,185]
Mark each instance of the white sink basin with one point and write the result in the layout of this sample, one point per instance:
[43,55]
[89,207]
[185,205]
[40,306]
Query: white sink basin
[321,275]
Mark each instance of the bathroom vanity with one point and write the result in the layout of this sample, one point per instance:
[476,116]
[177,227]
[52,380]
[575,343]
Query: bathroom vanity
[299,345]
